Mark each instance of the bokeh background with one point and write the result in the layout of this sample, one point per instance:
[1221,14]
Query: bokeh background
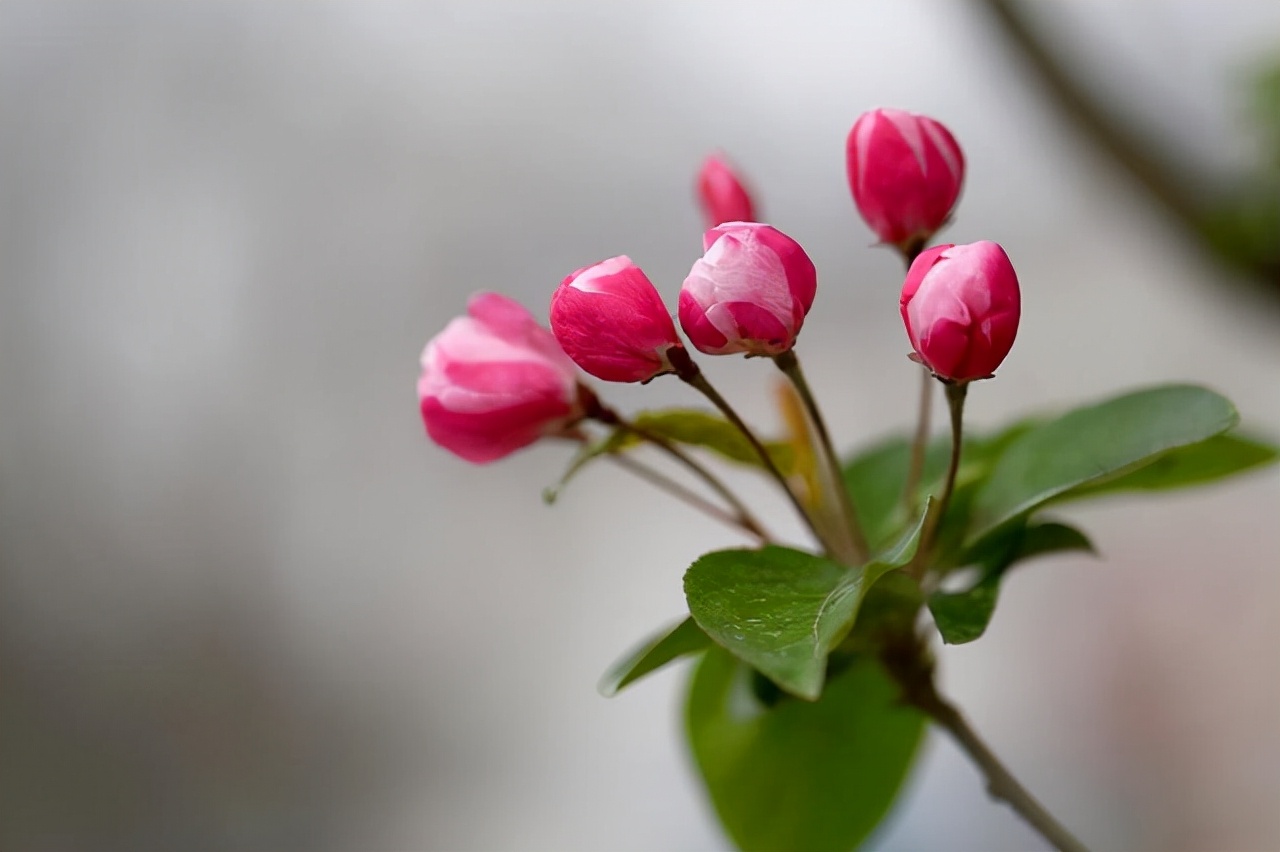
[246,605]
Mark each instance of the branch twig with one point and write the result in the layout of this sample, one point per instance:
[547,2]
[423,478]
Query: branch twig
[912,669]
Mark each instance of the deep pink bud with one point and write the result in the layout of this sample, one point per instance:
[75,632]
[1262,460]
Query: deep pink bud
[611,321]
[961,307]
[722,194]
[495,381]
[905,172]
[749,292]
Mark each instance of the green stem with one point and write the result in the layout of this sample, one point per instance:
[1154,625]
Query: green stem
[956,393]
[919,443]
[854,542]
[691,375]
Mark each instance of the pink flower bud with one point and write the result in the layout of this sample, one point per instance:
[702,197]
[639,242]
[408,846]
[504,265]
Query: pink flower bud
[495,381]
[611,321]
[722,194]
[905,172]
[749,292]
[961,307]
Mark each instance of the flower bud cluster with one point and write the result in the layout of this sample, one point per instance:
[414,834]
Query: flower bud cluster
[495,381]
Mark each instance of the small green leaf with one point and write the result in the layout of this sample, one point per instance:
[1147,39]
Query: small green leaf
[963,616]
[652,654]
[1092,445]
[712,432]
[783,610]
[794,775]
[762,606]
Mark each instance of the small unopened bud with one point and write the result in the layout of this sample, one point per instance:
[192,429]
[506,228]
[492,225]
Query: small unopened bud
[905,173]
[961,306]
[495,381]
[722,195]
[749,292]
[611,321]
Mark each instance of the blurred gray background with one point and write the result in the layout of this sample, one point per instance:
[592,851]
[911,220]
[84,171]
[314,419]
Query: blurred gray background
[246,605]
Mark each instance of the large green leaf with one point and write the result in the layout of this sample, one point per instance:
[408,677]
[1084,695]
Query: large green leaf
[1209,460]
[655,652]
[963,616]
[783,610]
[1092,445]
[792,775]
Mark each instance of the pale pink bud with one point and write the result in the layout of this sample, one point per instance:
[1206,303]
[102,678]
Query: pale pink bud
[961,307]
[722,194]
[905,172]
[611,321]
[749,292]
[495,381]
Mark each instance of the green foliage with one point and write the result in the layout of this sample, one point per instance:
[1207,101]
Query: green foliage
[762,605]
[798,731]
[963,616]
[784,610]
[1151,440]
[793,775]
[876,477]
[652,654]
[1198,464]
[1090,446]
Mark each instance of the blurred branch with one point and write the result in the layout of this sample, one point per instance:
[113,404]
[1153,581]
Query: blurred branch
[1209,218]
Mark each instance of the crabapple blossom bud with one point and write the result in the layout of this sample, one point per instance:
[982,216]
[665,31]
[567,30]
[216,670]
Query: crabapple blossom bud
[495,381]
[611,321]
[748,293]
[961,307]
[722,194]
[905,172]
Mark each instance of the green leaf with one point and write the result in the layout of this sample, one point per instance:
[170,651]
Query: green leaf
[783,610]
[963,616]
[839,611]
[794,775]
[762,605]
[655,652]
[1092,445]
[712,432]
[875,477]
[1216,458]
